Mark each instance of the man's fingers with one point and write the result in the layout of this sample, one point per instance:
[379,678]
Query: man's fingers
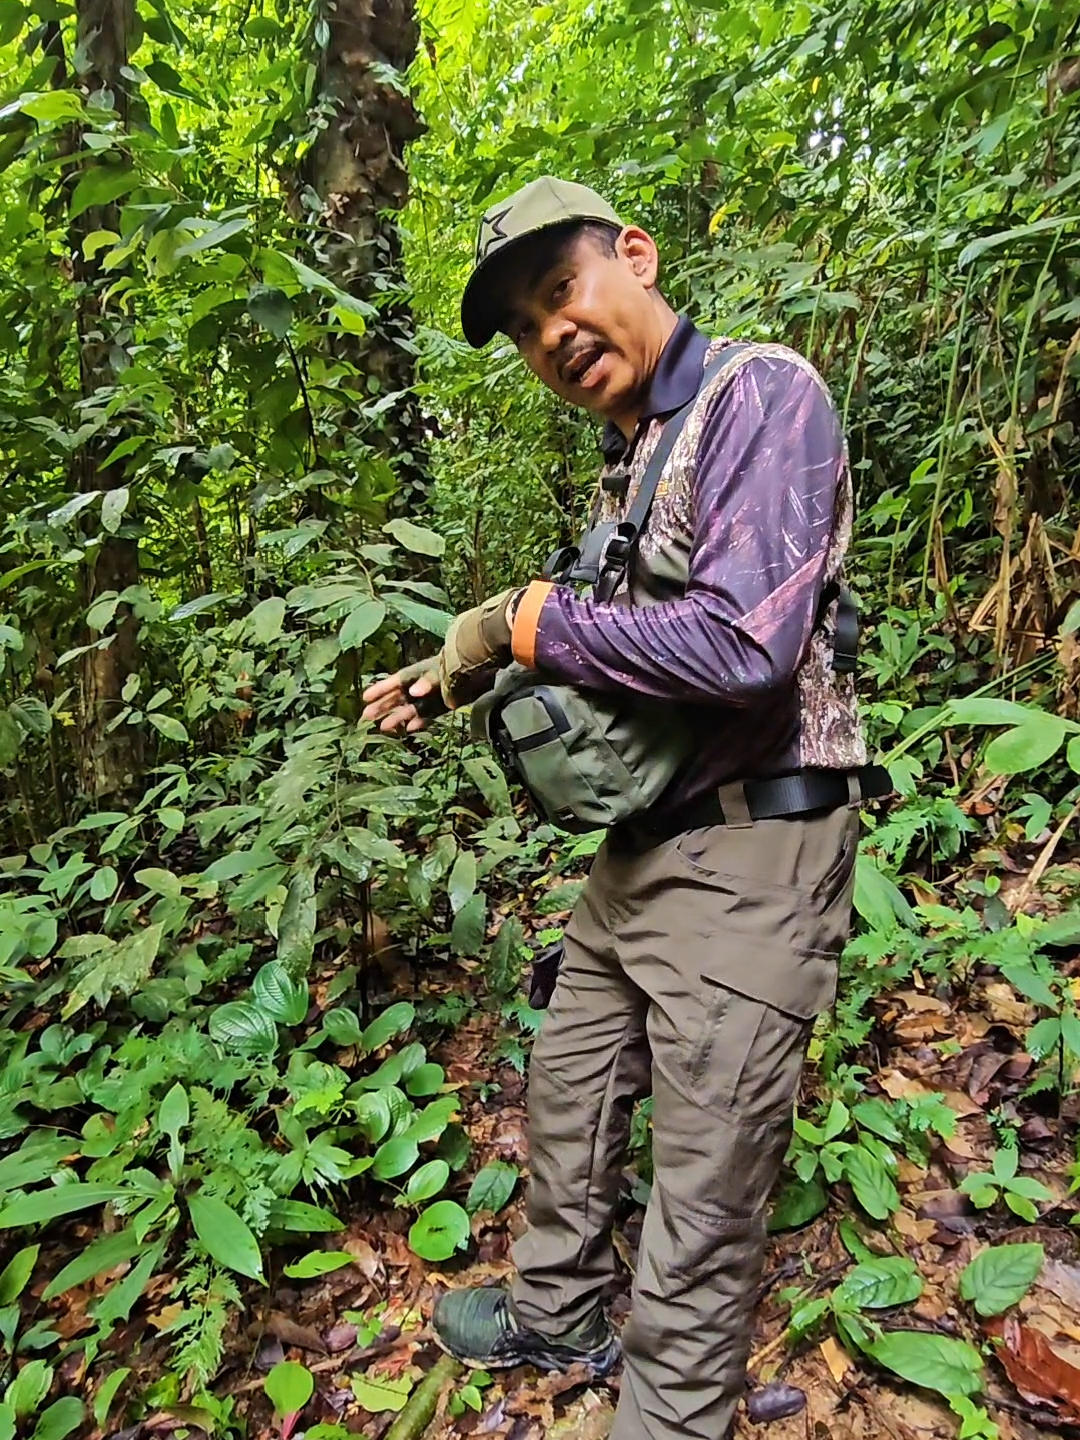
[381,688]
[403,717]
[383,705]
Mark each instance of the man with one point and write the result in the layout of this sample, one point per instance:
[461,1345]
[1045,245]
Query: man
[707,936]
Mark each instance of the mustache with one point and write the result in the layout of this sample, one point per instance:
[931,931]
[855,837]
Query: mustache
[566,362]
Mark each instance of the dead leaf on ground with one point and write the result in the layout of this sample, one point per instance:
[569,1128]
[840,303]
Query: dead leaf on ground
[1063,1281]
[1035,1368]
[836,1358]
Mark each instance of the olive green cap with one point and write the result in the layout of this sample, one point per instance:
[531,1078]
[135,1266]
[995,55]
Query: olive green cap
[537,206]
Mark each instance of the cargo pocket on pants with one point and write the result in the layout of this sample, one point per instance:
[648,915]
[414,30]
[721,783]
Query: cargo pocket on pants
[758,1018]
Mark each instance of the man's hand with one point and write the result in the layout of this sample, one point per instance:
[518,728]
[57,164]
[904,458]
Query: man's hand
[476,648]
[406,701]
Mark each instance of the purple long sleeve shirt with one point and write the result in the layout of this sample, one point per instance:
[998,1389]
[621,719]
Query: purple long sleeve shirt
[755,503]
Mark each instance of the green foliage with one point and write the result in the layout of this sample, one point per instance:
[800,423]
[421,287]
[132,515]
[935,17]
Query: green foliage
[1001,1276]
[289,1386]
[1019,1192]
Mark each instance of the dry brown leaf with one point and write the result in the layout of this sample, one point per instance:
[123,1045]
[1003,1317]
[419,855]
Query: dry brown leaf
[163,1318]
[836,1358]
[1006,1008]
[912,1228]
[1035,1368]
[914,1001]
[290,1333]
[1063,1281]
[363,1255]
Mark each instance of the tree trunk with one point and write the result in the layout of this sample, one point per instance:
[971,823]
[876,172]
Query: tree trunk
[109,760]
[357,169]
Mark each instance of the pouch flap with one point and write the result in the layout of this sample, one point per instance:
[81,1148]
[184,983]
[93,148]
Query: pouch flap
[798,982]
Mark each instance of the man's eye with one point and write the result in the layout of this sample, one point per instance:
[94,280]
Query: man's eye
[562,290]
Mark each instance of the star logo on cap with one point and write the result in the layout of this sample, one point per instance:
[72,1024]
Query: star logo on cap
[491,232]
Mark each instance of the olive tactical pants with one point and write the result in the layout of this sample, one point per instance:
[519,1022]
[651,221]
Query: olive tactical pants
[693,969]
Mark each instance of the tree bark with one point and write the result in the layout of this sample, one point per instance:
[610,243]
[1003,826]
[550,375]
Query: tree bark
[109,761]
[357,169]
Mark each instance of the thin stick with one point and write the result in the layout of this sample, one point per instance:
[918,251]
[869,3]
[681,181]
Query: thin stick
[420,1410]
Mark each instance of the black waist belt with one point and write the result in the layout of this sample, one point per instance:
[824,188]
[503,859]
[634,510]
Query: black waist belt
[805,793]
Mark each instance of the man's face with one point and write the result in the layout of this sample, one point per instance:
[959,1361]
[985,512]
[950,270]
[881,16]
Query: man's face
[586,322]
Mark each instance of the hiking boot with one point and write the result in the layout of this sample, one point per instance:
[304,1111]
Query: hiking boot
[477,1326]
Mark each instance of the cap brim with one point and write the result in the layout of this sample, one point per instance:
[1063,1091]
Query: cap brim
[481,311]
[481,302]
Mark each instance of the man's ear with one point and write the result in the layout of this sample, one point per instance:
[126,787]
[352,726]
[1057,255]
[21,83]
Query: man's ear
[638,249]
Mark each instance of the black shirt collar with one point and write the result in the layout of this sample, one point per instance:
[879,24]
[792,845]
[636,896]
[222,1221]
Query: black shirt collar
[676,379]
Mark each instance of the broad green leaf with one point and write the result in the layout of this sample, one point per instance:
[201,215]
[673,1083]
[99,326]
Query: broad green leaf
[984,710]
[878,899]
[425,617]
[439,1231]
[1001,1276]
[196,606]
[37,1159]
[879,1283]
[170,727]
[342,1026]
[1027,746]
[296,926]
[31,714]
[174,1112]
[797,1204]
[299,1216]
[54,107]
[159,881]
[432,1120]
[372,1115]
[470,925]
[271,308]
[393,1158]
[225,1236]
[283,998]
[415,537]
[378,1393]
[265,621]
[873,1185]
[100,185]
[425,1080]
[215,235]
[29,1388]
[289,1387]
[492,1187]
[119,972]
[937,1362]
[104,1253]
[60,1419]
[462,882]
[240,1025]
[116,1305]
[1002,238]
[426,1182]
[361,623]
[16,1273]
[113,505]
[394,1020]
[317,1262]
[103,883]
[106,1394]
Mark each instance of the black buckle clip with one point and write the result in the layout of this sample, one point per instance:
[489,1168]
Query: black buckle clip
[560,563]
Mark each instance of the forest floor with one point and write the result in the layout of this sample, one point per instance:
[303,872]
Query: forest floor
[966,1046]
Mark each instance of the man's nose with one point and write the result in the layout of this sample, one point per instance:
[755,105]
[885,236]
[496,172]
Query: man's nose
[555,331]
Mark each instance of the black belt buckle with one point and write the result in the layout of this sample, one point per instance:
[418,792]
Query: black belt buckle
[545,972]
